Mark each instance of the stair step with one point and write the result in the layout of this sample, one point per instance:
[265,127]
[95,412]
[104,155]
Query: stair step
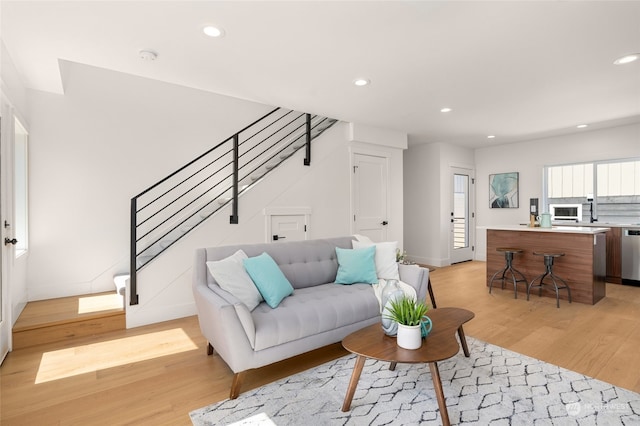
[55,320]
[258,176]
[206,213]
[121,283]
[186,228]
[166,243]
[142,260]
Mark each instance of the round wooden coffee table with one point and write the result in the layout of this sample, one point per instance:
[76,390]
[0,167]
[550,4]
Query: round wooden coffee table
[440,344]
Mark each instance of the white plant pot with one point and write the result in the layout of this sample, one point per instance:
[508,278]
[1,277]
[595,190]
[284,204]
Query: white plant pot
[409,336]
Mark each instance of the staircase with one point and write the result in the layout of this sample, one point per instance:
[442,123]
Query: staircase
[56,320]
[167,211]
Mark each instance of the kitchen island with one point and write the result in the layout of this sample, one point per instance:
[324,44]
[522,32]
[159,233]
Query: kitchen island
[583,266]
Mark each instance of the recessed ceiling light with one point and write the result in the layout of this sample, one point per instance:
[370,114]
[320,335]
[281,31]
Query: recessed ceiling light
[212,31]
[627,59]
[582,126]
[361,82]
[148,55]
[491,136]
[445,110]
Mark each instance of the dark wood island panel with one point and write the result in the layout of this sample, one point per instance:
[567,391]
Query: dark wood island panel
[614,248]
[583,267]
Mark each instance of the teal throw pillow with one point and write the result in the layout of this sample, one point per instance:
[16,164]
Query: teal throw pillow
[356,265]
[267,276]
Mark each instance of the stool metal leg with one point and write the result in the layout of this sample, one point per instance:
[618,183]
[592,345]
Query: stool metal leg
[516,276]
[516,280]
[503,271]
[555,285]
[539,277]
[549,272]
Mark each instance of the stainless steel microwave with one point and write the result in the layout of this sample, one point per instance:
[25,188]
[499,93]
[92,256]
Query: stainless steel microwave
[568,212]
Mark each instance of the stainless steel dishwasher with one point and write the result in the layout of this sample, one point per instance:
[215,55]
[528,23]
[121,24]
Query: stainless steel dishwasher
[631,256]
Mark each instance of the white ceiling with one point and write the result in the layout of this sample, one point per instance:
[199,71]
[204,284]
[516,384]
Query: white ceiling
[518,70]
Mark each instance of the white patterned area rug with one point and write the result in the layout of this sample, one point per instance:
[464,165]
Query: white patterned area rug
[492,387]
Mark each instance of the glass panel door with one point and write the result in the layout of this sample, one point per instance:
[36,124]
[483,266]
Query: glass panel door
[461,216]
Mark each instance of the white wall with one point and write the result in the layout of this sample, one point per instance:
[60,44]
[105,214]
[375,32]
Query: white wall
[529,158]
[111,135]
[428,187]
[93,148]
[323,188]
[13,89]
[422,194]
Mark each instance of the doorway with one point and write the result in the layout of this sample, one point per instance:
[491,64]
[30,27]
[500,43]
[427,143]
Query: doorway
[286,223]
[5,327]
[369,192]
[462,215]
[13,294]
[288,228]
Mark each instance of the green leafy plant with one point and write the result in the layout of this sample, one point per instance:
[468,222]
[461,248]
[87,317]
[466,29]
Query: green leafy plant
[406,311]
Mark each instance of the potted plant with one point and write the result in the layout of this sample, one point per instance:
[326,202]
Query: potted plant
[410,315]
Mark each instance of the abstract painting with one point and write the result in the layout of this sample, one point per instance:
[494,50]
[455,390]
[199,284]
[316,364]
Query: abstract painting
[503,190]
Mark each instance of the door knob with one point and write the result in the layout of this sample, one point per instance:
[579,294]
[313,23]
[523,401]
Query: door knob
[384,222]
[8,241]
[277,237]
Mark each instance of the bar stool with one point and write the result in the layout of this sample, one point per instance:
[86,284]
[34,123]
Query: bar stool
[516,276]
[548,263]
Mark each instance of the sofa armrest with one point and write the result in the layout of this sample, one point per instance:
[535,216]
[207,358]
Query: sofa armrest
[242,311]
[220,321]
[417,277]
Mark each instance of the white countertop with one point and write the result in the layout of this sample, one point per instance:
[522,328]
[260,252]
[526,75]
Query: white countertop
[557,229]
[598,224]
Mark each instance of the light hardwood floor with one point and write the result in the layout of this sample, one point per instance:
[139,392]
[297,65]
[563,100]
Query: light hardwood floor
[48,321]
[156,374]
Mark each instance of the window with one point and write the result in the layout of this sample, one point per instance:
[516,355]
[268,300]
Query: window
[20,188]
[608,190]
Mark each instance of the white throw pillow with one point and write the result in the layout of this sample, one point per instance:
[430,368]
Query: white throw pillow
[363,238]
[233,277]
[386,265]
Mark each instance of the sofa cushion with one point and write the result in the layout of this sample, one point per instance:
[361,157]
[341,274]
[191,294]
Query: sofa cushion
[386,264]
[304,263]
[356,266]
[230,274]
[313,310]
[269,279]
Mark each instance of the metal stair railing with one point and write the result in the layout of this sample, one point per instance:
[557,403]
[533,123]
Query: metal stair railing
[169,209]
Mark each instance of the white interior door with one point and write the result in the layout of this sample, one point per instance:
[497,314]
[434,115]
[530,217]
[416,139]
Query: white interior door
[5,318]
[370,196]
[462,215]
[288,227]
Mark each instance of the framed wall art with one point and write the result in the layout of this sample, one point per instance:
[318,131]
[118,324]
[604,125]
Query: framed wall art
[503,191]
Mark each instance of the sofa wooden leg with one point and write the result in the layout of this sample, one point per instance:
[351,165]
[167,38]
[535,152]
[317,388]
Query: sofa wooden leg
[236,384]
[209,349]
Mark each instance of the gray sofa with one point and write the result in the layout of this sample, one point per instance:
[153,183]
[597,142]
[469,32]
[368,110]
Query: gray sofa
[318,313]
